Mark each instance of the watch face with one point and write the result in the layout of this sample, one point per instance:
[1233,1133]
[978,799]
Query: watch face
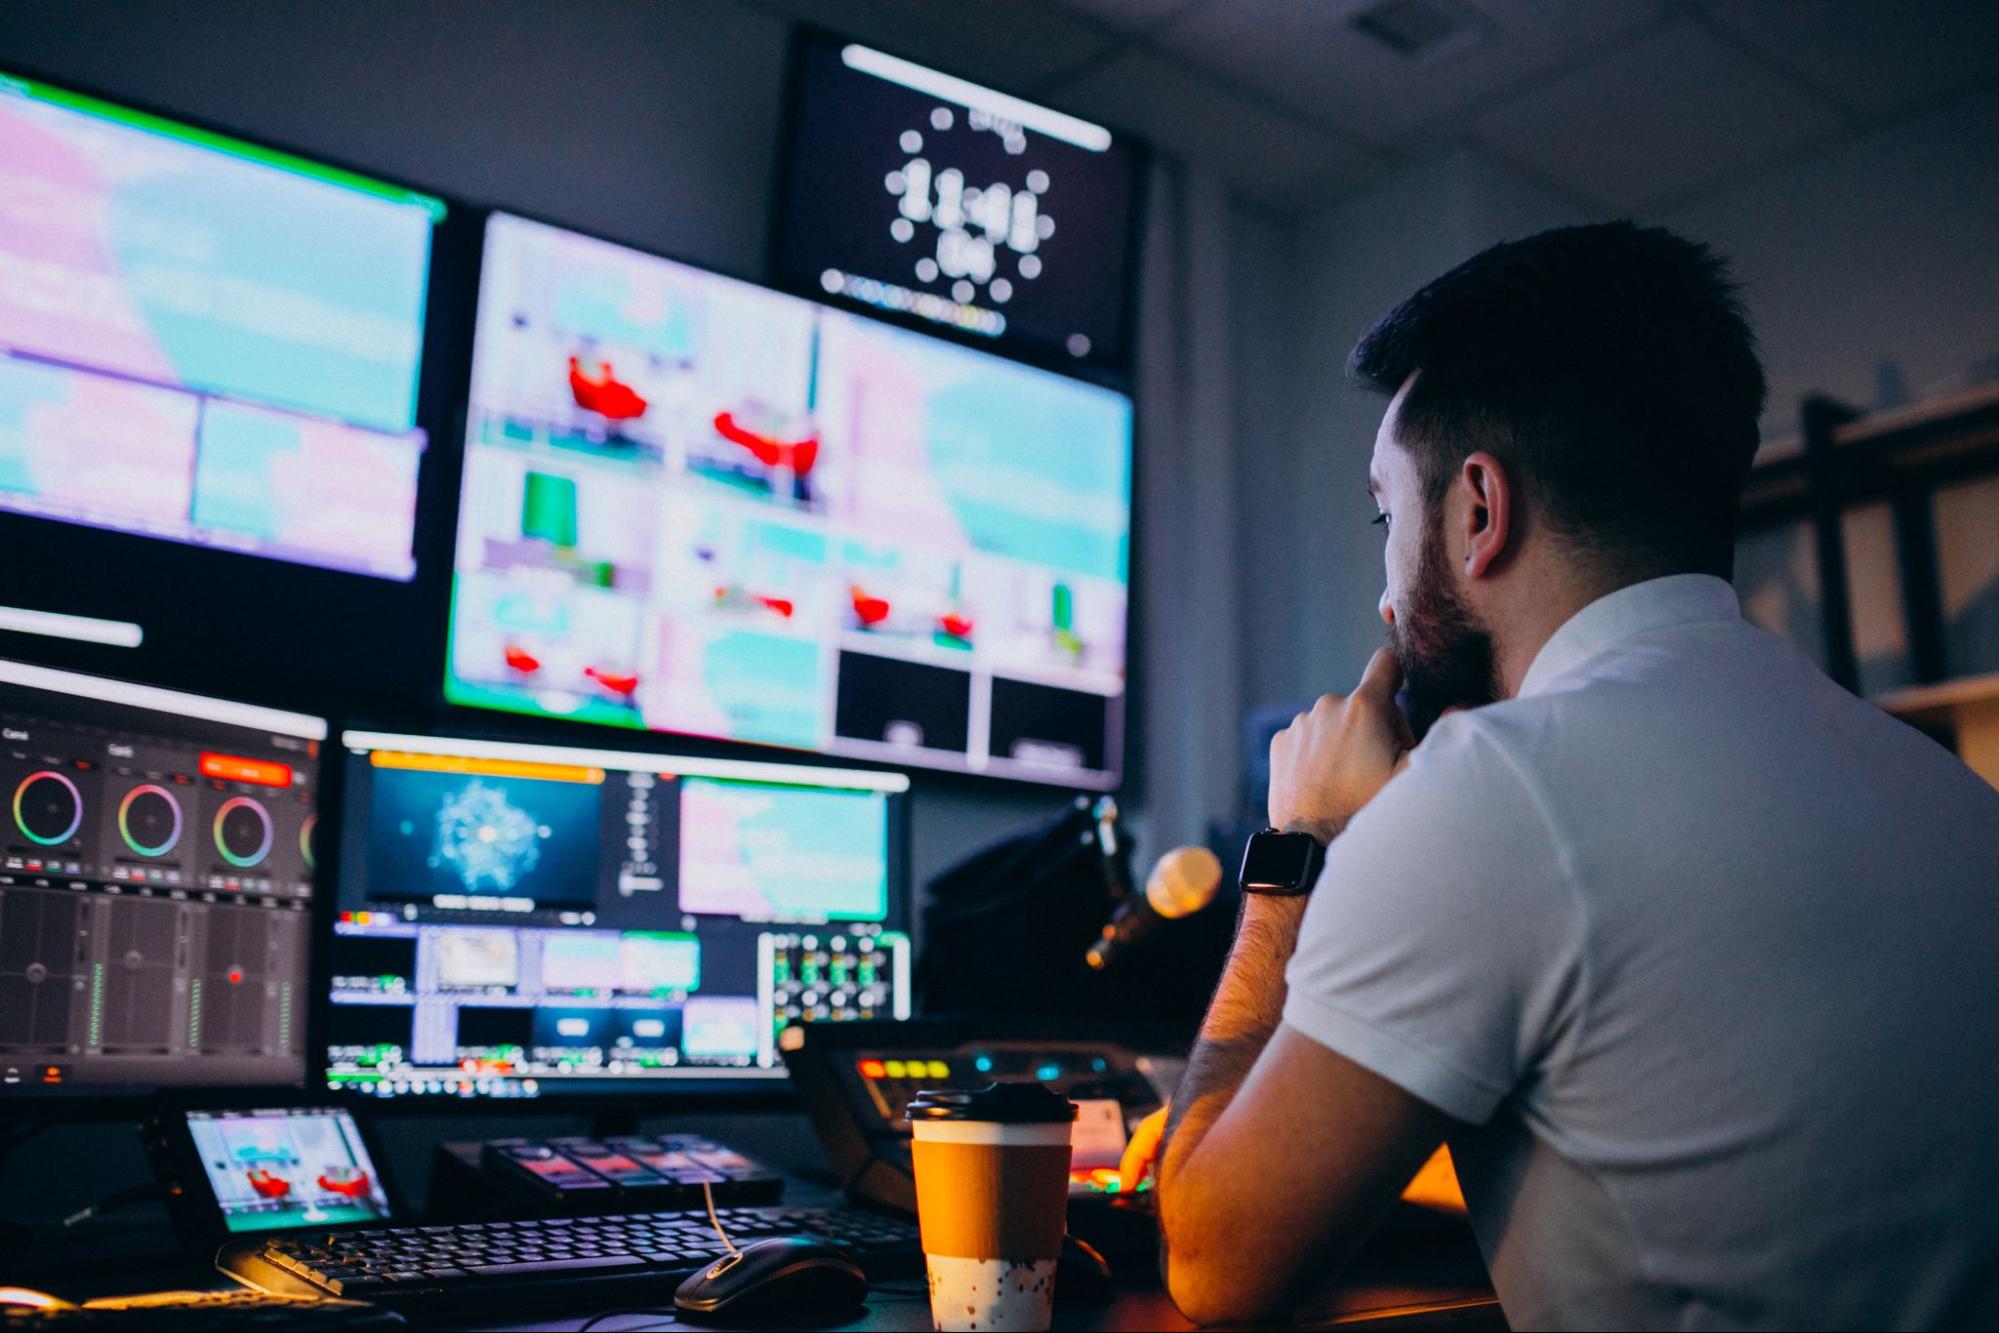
[1278,863]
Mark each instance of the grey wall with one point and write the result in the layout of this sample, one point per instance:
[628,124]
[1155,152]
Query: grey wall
[1317,563]
[1879,252]
[653,122]
[1883,251]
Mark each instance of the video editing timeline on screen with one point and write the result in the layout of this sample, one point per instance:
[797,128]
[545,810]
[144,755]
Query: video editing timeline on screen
[156,862]
[921,194]
[694,505]
[516,920]
[166,370]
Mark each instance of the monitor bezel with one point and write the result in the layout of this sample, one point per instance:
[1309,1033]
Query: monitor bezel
[597,1097]
[1112,372]
[465,719]
[125,1102]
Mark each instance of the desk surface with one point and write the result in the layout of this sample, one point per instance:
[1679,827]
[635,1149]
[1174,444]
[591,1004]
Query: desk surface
[1130,1310]
[1429,1278]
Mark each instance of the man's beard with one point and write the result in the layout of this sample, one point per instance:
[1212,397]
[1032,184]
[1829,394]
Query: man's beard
[1445,654]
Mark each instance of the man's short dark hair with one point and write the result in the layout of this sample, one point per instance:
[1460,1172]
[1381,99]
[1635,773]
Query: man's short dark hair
[1609,367]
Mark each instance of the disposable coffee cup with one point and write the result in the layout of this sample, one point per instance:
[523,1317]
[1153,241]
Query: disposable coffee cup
[992,1200]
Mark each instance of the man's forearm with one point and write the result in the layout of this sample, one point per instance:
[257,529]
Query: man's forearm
[1248,1005]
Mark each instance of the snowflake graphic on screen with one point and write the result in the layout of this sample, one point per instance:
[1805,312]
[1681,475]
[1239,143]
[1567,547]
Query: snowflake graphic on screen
[486,840]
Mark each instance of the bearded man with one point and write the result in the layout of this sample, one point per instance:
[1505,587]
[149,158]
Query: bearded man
[1690,956]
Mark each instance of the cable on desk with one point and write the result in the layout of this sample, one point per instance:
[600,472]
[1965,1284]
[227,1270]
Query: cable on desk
[111,1203]
[657,1312]
[708,1193]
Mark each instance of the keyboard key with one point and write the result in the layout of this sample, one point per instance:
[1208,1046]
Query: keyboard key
[557,1267]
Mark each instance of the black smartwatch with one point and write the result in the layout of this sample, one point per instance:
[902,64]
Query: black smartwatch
[1281,864]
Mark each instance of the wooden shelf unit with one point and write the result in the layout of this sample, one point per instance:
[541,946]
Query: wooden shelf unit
[1902,458]
[1963,711]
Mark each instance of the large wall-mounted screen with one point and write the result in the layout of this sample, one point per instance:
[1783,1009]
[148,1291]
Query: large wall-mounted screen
[694,505]
[931,198]
[204,340]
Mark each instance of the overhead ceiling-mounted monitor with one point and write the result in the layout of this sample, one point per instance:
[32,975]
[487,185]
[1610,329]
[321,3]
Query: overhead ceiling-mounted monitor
[933,199]
[218,368]
[205,340]
[695,505]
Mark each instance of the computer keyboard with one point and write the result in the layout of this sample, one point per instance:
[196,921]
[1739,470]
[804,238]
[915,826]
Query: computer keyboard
[488,1265]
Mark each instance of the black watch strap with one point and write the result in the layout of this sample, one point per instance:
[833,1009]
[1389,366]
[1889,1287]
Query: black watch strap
[1281,864]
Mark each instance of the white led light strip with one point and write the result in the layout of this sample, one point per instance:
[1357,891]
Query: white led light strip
[624,761]
[164,701]
[84,629]
[1024,114]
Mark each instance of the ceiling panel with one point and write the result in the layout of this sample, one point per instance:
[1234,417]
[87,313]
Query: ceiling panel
[1307,54]
[1016,47]
[1265,153]
[1873,57]
[1139,15]
[1658,119]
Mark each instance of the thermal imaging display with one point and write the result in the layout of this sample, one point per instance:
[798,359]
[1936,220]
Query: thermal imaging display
[157,853]
[520,920]
[204,340]
[273,1169]
[925,196]
[694,505]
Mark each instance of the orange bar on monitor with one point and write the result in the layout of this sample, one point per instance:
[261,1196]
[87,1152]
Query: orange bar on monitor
[235,768]
[490,768]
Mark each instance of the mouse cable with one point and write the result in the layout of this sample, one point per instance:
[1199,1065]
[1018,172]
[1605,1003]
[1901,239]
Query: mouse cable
[708,1193]
[111,1203]
[658,1312]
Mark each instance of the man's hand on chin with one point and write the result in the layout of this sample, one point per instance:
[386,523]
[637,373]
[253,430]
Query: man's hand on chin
[1276,1146]
[1331,761]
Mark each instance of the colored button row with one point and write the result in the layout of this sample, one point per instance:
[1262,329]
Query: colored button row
[904,1069]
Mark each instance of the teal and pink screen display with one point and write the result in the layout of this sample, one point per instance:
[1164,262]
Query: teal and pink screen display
[287,1168]
[206,341]
[698,506]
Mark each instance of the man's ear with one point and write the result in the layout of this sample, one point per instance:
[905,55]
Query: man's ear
[1491,512]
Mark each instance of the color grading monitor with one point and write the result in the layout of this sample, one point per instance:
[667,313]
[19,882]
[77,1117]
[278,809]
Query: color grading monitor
[937,201]
[210,360]
[695,505]
[156,880]
[533,921]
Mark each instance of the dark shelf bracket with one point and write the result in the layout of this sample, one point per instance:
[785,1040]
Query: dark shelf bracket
[1822,416]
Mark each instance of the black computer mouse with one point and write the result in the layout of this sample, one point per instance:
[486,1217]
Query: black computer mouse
[790,1276]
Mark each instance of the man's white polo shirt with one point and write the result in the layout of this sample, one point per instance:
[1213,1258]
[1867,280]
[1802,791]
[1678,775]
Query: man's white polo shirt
[1703,952]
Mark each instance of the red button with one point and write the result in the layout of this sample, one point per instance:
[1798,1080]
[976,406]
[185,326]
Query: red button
[235,768]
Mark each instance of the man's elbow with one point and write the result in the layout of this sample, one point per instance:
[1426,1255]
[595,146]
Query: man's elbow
[1223,1289]
[1211,1275]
